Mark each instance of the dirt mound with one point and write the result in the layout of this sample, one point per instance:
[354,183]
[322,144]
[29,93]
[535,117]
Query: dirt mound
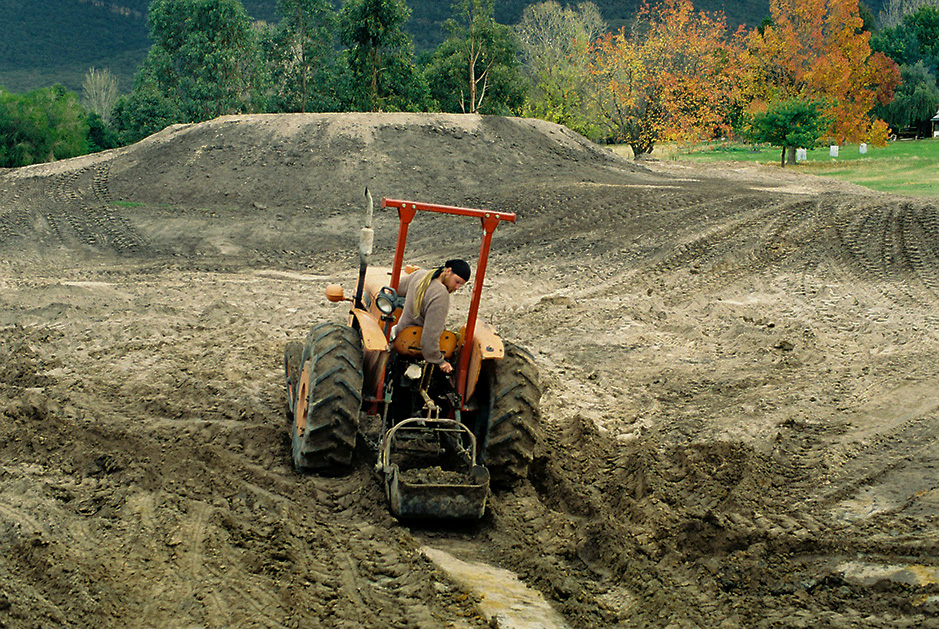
[244,184]
[324,161]
[739,366]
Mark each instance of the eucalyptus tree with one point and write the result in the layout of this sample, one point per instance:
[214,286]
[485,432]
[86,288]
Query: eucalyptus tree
[203,63]
[380,55]
[204,55]
[301,58]
[475,70]
[554,43]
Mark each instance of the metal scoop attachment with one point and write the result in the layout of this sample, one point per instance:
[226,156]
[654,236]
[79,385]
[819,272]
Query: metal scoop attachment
[430,470]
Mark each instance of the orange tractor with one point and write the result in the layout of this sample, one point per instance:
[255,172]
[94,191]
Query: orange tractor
[440,439]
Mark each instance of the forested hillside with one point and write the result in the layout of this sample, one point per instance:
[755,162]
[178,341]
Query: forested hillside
[43,42]
[428,15]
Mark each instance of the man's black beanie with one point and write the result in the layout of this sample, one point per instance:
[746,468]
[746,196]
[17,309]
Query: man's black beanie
[460,267]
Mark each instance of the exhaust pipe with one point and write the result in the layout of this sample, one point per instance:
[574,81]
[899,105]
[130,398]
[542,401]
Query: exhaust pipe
[366,240]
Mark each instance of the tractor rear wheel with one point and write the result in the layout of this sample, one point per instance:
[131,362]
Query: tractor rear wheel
[513,417]
[328,396]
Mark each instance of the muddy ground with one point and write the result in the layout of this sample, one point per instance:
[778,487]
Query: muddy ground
[740,369]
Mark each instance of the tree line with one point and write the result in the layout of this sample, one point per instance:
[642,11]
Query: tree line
[814,69]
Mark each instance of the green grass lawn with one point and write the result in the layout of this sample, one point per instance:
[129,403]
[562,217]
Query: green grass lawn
[909,167]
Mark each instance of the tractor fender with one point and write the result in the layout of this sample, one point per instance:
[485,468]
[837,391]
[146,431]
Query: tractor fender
[486,341]
[486,344]
[373,337]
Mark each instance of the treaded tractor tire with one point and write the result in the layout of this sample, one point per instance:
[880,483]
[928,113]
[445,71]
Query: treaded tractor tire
[329,395]
[514,416]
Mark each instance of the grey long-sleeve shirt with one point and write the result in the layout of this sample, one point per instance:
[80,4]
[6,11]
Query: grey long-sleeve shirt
[432,316]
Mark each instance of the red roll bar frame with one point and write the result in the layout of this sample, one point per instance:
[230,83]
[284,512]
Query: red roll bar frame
[490,220]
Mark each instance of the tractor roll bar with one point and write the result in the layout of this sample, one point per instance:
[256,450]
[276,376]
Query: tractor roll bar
[490,220]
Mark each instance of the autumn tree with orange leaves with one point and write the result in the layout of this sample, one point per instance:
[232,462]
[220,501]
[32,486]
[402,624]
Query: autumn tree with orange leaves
[674,76]
[816,50]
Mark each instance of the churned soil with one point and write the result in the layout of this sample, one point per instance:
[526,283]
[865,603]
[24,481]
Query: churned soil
[740,369]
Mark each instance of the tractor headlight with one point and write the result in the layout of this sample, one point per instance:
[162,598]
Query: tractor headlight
[386,300]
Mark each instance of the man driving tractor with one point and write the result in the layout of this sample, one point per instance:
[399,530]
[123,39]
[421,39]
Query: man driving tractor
[426,304]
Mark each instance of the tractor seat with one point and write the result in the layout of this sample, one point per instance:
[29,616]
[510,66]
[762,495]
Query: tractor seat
[408,342]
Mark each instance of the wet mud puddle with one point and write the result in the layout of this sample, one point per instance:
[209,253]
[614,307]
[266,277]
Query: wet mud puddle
[504,600]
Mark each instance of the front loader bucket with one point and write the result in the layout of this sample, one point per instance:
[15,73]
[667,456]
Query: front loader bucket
[426,482]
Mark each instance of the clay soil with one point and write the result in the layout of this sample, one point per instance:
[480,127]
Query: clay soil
[740,369]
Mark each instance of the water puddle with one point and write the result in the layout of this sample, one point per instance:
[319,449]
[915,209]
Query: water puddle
[868,574]
[89,284]
[506,602]
[287,275]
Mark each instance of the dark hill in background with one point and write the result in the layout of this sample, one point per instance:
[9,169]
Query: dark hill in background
[427,16]
[43,42]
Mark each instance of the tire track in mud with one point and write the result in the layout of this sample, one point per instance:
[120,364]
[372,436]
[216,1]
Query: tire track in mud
[72,208]
[920,235]
[871,240]
[858,483]
[854,272]
[83,196]
[719,260]
[255,603]
[898,245]
[193,531]
[372,571]
[218,577]
[21,525]
[893,249]
[336,534]
[210,574]
[710,258]
[884,258]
